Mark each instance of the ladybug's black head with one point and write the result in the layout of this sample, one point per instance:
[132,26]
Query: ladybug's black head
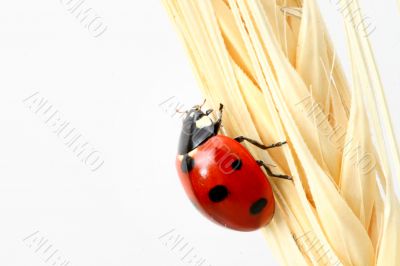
[197,128]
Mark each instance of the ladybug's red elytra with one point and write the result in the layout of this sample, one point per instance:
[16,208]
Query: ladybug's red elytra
[221,177]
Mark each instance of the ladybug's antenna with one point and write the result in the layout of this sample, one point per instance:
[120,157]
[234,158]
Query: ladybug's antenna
[198,107]
[204,102]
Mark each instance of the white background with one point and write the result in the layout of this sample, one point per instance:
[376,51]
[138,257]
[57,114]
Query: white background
[109,88]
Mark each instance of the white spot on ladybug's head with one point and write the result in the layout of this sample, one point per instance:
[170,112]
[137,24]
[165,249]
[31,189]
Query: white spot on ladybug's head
[205,121]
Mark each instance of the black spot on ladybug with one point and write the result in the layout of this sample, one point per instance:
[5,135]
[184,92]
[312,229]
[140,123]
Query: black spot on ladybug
[187,163]
[258,206]
[237,164]
[218,193]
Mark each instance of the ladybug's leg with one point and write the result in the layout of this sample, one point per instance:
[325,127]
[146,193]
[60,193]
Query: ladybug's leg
[262,146]
[270,173]
[217,124]
[258,144]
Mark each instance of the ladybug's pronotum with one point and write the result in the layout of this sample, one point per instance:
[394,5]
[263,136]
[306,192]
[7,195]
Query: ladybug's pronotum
[221,177]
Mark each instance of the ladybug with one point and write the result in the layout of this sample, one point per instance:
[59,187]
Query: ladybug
[221,177]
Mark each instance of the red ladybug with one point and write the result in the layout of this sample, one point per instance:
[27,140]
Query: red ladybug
[221,177]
